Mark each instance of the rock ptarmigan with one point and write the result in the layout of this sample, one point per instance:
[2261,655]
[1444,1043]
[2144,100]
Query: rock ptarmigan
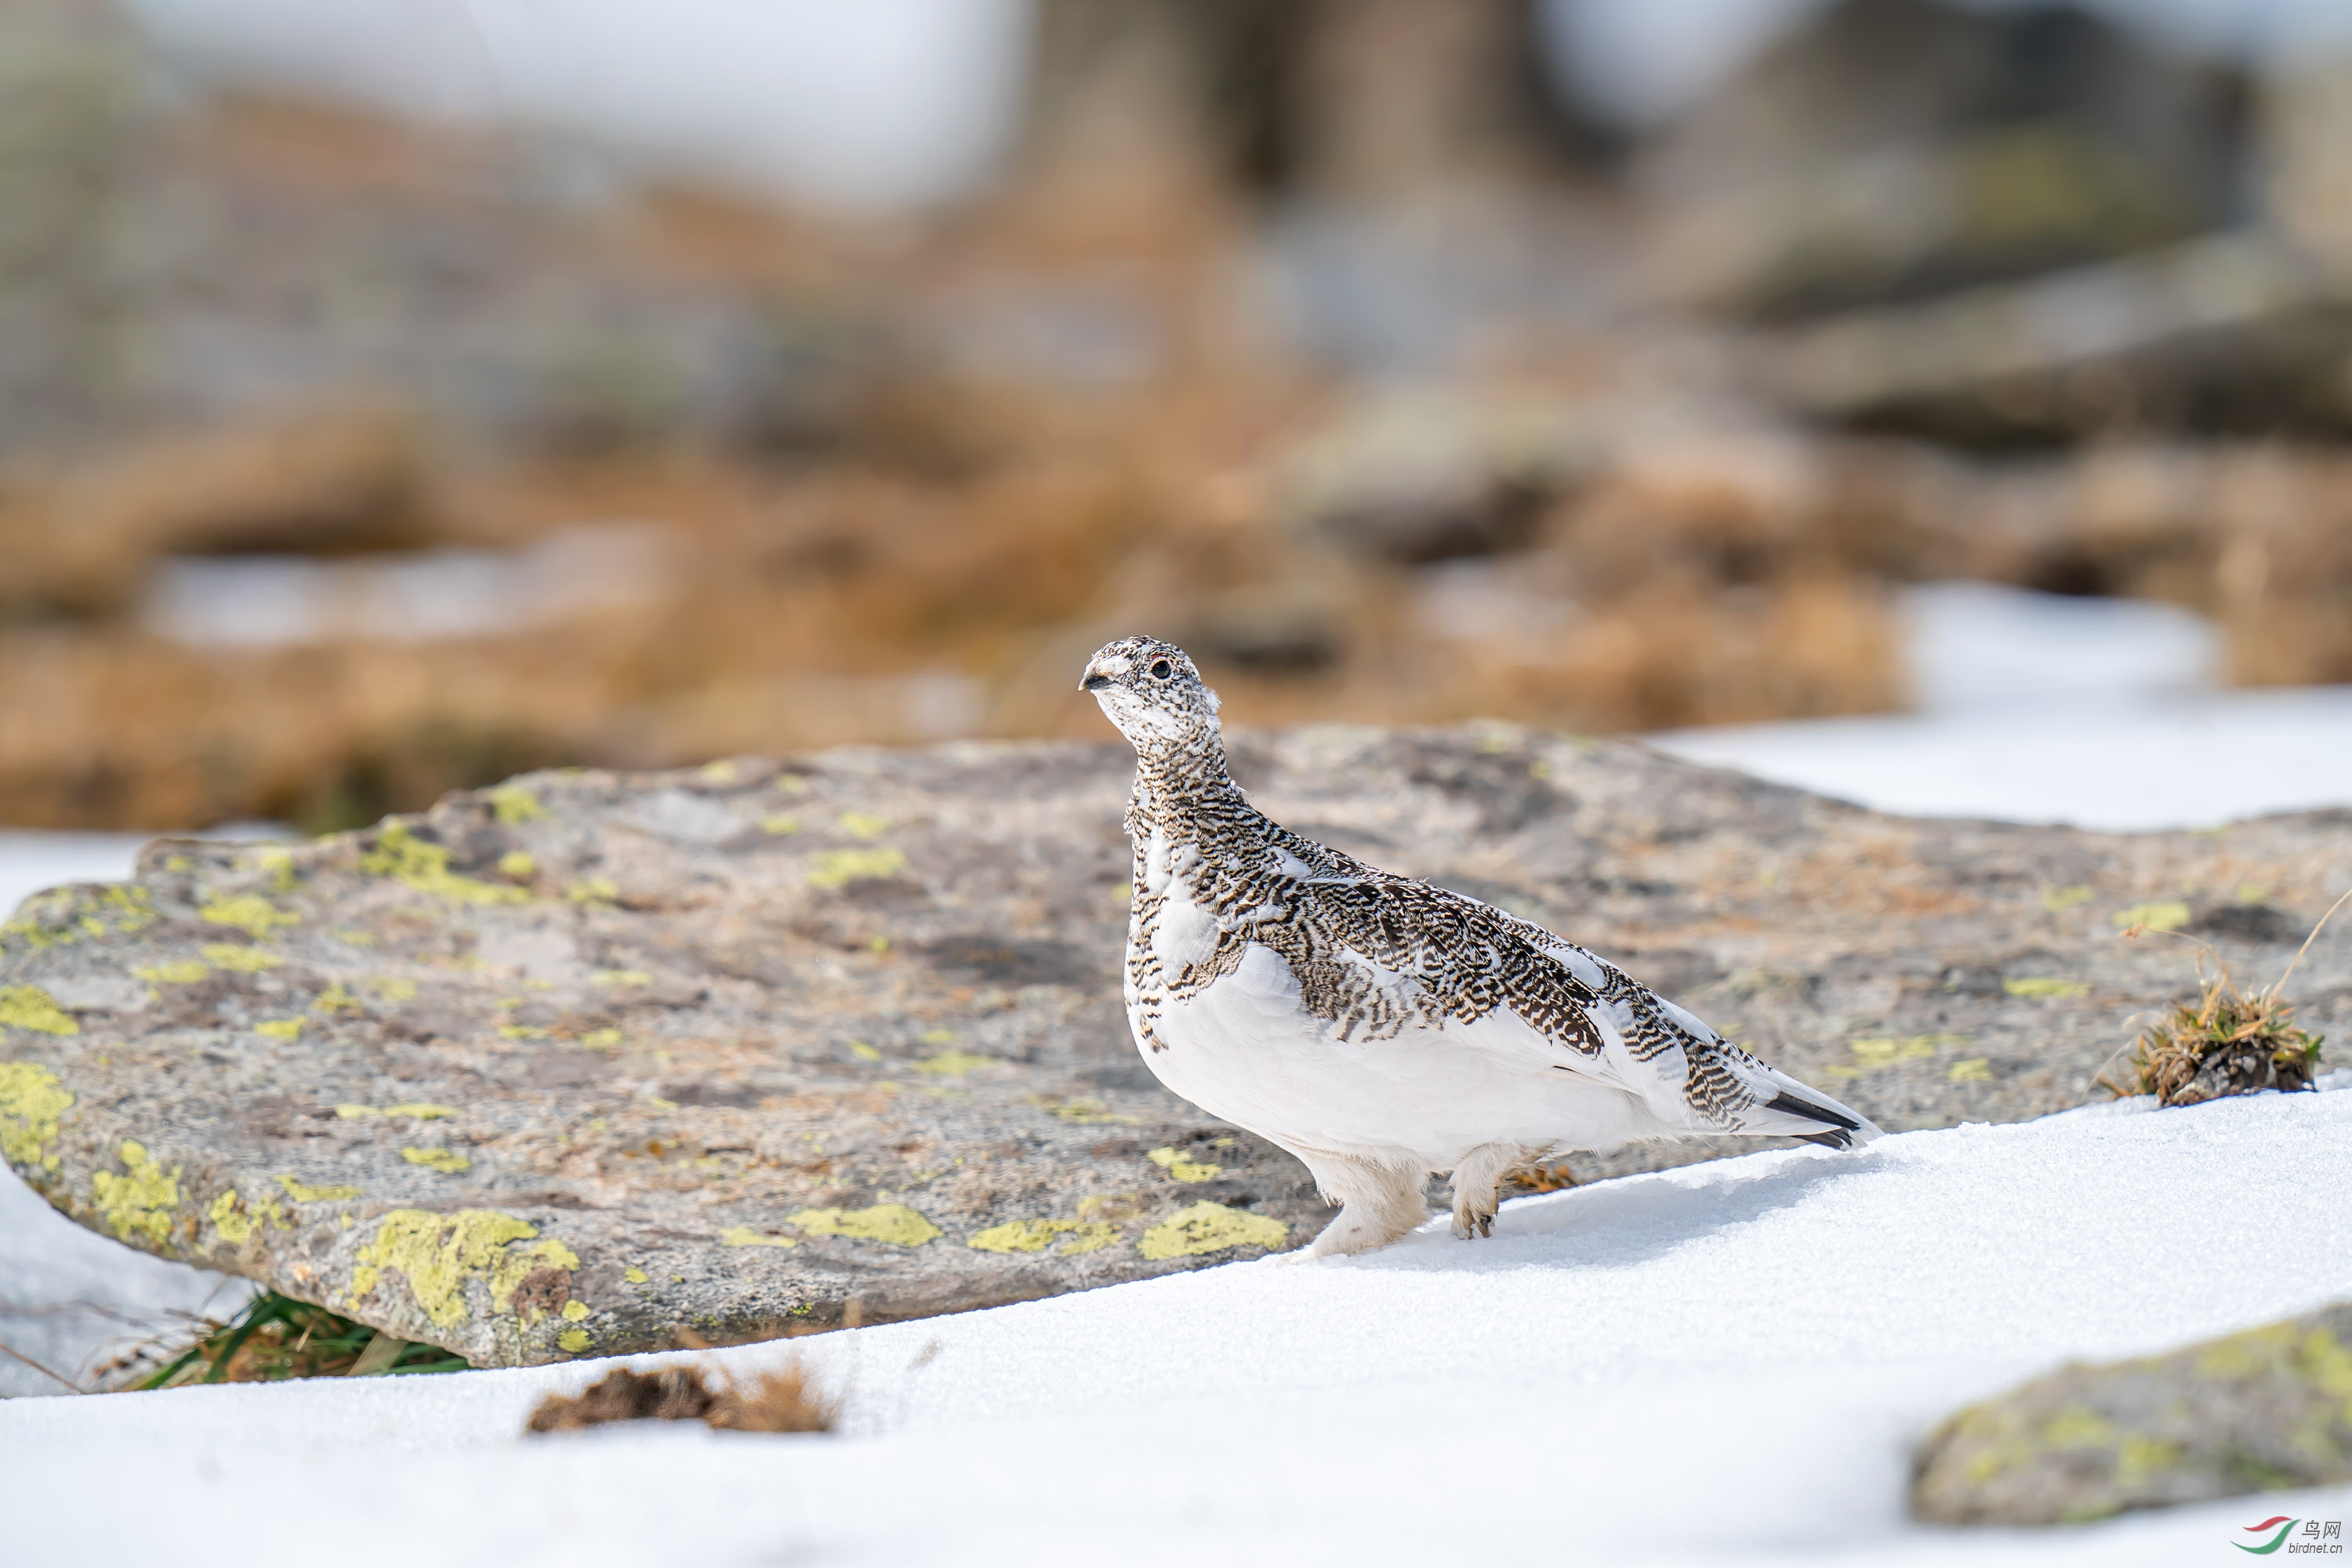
[1377,1027]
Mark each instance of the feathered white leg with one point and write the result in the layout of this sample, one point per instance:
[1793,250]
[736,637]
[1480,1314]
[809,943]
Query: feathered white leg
[1475,1182]
[1379,1201]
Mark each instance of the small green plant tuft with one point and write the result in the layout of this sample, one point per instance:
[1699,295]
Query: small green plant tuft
[277,1337]
[2226,1042]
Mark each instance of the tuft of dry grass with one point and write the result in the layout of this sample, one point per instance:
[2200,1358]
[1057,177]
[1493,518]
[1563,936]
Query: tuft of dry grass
[2228,1041]
[1553,1177]
[779,1401]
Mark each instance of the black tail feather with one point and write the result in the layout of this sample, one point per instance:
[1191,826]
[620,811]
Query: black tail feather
[1841,1138]
[1789,1103]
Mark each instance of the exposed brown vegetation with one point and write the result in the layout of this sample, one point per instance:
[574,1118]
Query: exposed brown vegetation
[2226,1042]
[779,1401]
[901,485]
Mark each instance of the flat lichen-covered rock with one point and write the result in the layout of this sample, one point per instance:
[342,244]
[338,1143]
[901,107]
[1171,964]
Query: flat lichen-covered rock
[2266,1410]
[592,1063]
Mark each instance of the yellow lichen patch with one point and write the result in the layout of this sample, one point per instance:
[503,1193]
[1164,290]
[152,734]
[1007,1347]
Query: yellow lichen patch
[242,960]
[180,972]
[780,825]
[248,912]
[863,824]
[446,1161]
[520,1032]
[2057,901]
[280,1028]
[518,866]
[2043,988]
[621,977]
[278,861]
[303,1192]
[634,1276]
[954,1064]
[235,1226]
[864,1052]
[1976,1069]
[237,1219]
[594,891]
[1089,1113]
[744,1235]
[601,1039]
[391,987]
[30,1007]
[140,1201]
[2138,1457]
[423,1110]
[402,855]
[894,1223]
[1875,1054]
[354,938]
[335,998]
[938,1037]
[574,1311]
[515,806]
[1182,1169]
[1210,1228]
[2326,1363]
[1036,1235]
[438,1253]
[573,1340]
[2169,915]
[2077,1428]
[31,1100]
[837,867]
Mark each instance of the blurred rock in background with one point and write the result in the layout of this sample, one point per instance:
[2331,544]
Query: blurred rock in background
[346,459]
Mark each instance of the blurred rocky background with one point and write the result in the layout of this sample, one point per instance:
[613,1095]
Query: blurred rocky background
[398,395]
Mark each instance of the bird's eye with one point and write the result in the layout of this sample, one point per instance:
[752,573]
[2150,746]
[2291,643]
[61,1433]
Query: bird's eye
[1159,670]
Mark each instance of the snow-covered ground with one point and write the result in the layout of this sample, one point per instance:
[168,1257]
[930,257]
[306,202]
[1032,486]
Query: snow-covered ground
[2104,713]
[1727,1363]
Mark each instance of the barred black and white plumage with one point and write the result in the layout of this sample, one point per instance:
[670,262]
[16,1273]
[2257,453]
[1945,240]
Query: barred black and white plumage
[1377,1027]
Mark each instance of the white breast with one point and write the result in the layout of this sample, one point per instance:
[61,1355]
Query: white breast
[1245,1049]
[1186,934]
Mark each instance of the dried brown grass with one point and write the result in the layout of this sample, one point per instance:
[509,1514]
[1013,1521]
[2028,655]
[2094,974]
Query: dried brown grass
[779,1401]
[2229,1041]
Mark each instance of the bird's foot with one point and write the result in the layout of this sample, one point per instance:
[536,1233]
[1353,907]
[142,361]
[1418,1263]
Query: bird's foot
[1469,1222]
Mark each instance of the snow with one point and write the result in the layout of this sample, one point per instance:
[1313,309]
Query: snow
[1724,1363]
[2194,762]
[2101,713]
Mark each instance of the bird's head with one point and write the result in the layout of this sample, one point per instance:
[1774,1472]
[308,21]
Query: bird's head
[1151,690]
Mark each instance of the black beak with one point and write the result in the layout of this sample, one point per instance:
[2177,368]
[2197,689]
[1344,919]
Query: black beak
[1094,681]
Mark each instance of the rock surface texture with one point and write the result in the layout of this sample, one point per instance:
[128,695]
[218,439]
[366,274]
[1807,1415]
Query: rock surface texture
[2266,1410]
[590,1063]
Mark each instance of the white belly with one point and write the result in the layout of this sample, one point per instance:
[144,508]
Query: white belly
[1245,1049]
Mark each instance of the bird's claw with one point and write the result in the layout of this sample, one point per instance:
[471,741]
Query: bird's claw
[1467,1227]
